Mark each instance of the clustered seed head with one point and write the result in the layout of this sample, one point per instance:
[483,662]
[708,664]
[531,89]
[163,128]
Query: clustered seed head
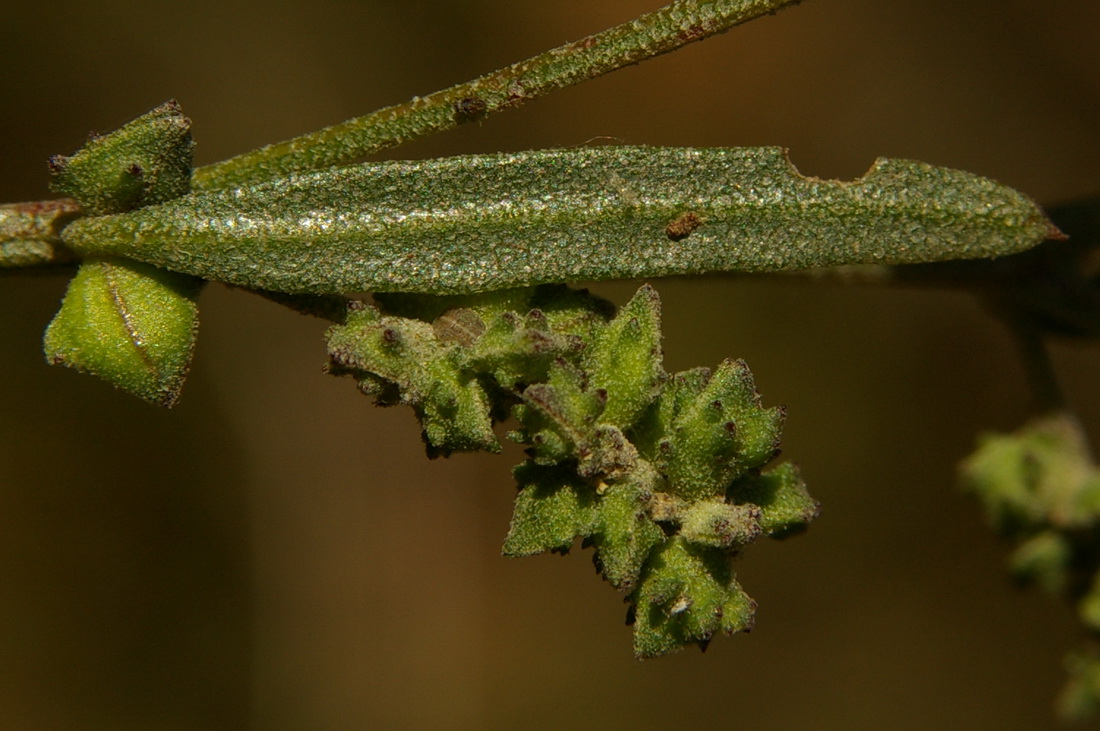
[665,476]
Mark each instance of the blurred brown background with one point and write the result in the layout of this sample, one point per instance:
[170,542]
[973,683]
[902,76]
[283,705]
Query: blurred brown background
[276,553]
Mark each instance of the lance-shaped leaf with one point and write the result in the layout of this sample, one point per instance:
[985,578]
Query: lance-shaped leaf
[131,324]
[484,222]
[663,30]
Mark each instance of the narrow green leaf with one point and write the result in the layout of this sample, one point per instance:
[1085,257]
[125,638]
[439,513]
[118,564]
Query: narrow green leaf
[486,222]
[130,324]
[661,31]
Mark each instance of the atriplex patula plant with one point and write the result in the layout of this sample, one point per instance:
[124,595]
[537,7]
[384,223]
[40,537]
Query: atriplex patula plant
[665,475]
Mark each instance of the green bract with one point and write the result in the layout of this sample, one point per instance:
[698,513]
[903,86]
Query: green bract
[485,222]
[146,161]
[129,323]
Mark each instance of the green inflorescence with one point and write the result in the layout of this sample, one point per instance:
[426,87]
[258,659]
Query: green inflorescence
[664,475]
[1041,488]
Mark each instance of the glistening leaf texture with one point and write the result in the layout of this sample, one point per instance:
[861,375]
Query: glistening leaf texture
[485,222]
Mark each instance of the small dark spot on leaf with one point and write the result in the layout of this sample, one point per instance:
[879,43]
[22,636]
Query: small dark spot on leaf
[470,109]
[680,228]
[692,34]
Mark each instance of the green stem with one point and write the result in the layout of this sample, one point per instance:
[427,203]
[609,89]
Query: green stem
[1046,392]
[661,31]
[30,234]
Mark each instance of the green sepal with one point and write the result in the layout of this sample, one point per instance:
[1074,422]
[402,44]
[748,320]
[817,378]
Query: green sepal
[1088,609]
[1040,475]
[131,324]
[401,360]
[1080,699]
[625,359]
[786,508]
[624,535]
[1044,559]
[706,430]
[687,595]
[145,162]
[557,418]
[552,509]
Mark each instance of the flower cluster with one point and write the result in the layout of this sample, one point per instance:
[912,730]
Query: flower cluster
[663,475]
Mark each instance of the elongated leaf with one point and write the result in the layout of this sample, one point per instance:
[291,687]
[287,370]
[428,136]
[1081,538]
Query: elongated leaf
[486,222]
[661,31]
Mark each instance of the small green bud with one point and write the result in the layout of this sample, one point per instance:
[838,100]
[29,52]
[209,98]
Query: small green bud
[131,324]
[1043,559]
[706,430]
[558,417]
[145,162]
[1088,609]
[1040,475]
[1080,699]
